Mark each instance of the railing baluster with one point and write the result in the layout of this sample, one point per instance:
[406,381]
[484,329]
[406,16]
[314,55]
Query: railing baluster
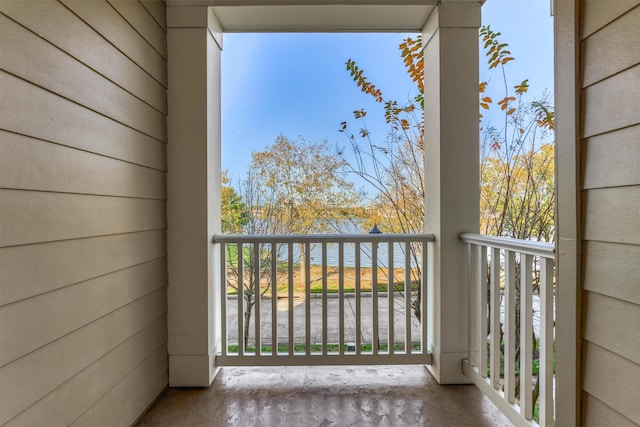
[325,307]
[473,316]
[241,348]
[526,338]
[274,299]
[256,298]
[546,342]
[258,266]
[519,257]
[223,298]
[307,302]
[357,297]
[391,308]
[481,282]
[290,285]
[341,295]
[510,326]
[375,336]
[425,299]
[494,347]
[407,298]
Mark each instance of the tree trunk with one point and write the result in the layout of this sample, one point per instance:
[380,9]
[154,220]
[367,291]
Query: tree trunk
[247,319]
[303,263]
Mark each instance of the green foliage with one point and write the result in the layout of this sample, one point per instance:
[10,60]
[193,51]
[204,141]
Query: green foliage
[362,81]
[494,50]
[411,51]
[316,348]
[234,215]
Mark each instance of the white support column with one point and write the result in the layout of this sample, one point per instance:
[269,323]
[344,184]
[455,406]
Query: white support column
[194,42]
[452,175]
[568,213]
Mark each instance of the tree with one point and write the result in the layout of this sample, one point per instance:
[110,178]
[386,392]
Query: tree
[394,168]
[307,182]
[234,215]
[516,166]
[517,195]
[291,187]
[259,216]
[516,158]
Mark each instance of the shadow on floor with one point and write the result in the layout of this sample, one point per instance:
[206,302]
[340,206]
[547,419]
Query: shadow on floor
[324,396]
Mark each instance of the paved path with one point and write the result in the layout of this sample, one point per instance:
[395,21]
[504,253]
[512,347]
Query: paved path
[333,330]
[333,319]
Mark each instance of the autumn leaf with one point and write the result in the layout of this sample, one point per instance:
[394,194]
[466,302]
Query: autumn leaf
[362,81]
[358,114]
[522,87]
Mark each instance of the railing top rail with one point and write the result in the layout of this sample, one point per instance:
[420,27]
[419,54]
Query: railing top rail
[320,238]
[546,250]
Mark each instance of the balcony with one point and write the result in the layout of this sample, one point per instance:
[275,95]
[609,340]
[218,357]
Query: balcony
[312,300]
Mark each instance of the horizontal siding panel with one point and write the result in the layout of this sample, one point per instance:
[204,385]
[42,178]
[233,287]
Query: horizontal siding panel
[65,404]
[617,42]
[613,324]
[612,269]
[68,170]
[612,215]
[613,380]
[105,19]
[157,9]
[35,60]
[598,13]
[45,217]
[55,119]
[68,262]
[612,159]
[30,378]
[131,396]
[75,307]
[46,18]
[138,17]
[597,414]
[613,103]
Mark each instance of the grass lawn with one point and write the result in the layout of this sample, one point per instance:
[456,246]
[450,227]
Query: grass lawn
[332,278]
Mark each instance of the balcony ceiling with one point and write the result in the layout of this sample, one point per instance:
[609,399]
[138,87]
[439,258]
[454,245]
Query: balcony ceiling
[318,15]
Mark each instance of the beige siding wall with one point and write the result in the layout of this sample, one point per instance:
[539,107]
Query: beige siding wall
[83,272]
[610,93]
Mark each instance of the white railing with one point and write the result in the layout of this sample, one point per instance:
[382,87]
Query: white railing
[511,313]
[319,300]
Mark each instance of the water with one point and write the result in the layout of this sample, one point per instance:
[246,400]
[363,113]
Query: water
[353,226]
[349,255]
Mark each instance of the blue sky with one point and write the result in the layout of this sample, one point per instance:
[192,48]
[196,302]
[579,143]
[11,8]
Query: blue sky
[297,84]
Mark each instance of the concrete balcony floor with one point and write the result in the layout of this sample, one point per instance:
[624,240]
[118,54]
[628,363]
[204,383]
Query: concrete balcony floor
[324,396]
